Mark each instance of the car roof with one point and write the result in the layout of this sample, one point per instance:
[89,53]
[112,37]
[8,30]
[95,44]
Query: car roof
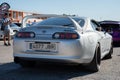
[109,22]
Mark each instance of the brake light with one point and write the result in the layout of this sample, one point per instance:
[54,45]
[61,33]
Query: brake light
[62,35]
[25,35]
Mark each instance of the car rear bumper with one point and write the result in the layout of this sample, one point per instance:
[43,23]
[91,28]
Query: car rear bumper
[51,59]
[68,51]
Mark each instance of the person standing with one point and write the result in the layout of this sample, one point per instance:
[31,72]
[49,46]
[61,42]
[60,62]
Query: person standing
[6,23]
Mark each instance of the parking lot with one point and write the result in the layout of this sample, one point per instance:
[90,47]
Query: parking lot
[110,69]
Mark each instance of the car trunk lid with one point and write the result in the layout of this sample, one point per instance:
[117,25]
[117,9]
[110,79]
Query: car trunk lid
[46,32]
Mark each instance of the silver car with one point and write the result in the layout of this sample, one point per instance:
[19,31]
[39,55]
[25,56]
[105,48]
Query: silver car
[63,39]
[13,30]
[2,33]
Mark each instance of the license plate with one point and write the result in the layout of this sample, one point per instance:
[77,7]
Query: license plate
[43,46]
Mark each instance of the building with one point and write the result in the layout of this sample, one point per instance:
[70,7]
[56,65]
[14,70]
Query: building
[17,16]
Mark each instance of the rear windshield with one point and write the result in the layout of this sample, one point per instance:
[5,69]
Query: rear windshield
[60,21]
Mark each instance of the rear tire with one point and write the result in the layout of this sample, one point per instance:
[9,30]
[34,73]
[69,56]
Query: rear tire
[94,66]
[15,31]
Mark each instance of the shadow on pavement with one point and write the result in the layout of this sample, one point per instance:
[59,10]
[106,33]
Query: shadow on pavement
[12,71]
[116,45]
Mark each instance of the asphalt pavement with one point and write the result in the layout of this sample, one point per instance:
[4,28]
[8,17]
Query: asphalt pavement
[110,69]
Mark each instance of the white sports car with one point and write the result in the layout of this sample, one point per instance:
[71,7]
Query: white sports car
[64,39]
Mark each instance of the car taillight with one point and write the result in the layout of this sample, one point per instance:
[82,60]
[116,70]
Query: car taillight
[25,35]
[62,35]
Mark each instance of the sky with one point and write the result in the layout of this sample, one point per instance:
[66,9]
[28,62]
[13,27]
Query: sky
[96,9]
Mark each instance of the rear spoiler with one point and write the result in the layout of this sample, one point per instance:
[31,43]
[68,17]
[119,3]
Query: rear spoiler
[44,16]
[37,16]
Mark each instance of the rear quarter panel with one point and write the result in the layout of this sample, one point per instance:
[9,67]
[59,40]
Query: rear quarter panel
[90,40]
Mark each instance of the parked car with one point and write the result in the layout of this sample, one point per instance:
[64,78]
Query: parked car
[112,27]
[18,24]
[63,39]
[1,34]
[15,27]
[14,30]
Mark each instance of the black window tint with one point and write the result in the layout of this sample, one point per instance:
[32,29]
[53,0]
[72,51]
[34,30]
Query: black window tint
[111,26]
